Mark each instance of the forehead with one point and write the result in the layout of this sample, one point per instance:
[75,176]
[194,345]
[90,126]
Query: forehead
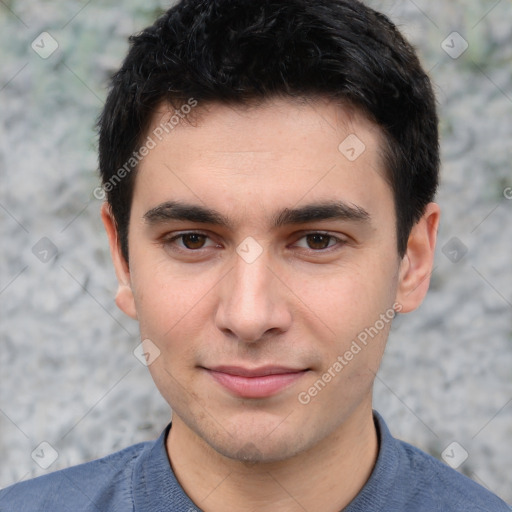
[317,112]
[279,151]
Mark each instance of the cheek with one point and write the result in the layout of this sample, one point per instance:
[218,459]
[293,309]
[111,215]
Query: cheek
[166,296]
[174,310]
[347,300]
[172,314]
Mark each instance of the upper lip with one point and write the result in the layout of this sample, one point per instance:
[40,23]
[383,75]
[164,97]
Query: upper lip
[261,371]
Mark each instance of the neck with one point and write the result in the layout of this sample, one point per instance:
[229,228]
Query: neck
[327,477]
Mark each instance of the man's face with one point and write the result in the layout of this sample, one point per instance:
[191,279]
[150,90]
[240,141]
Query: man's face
[228,304]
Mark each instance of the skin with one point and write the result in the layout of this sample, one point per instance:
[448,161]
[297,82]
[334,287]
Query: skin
[298,304]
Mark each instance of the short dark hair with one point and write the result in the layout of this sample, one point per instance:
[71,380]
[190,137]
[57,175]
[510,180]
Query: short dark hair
[238,51]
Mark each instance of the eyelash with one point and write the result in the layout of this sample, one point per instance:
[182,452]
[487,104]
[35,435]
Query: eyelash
[169,241]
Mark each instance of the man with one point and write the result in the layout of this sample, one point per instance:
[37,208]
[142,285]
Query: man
[270,169]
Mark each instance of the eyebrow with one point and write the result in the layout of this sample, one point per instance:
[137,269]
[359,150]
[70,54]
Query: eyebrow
[314,212]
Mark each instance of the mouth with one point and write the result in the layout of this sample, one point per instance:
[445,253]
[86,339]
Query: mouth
[259,382]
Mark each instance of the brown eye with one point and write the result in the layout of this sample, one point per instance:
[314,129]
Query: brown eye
[318,241]
[193,240]
[189,243]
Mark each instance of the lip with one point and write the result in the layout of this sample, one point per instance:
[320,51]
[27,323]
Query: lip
[259,382]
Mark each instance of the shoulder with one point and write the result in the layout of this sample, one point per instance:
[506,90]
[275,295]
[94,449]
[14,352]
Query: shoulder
[101,484]
[405,478]
[430,480]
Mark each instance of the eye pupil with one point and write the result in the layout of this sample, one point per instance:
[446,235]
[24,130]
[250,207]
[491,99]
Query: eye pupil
[322,240]
[193,240]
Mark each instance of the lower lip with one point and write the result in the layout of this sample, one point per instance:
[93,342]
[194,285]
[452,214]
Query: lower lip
[256,387]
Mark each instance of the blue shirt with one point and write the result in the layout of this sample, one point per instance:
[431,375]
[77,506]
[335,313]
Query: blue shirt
[140,479]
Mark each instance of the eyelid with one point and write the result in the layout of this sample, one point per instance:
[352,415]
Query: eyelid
[340,241]
[172,237]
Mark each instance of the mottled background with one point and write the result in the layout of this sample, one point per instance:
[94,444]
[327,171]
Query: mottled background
[67,369]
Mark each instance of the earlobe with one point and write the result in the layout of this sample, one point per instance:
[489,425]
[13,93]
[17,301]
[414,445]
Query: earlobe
[417,263]
[125,301]
[124,298]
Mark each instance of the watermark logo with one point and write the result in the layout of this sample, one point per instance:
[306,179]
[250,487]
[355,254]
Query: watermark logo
[146,352]
[454,455]
[352,147]
[454,249]
[249,250]
[44,455]
[249,453]
[44,250]
[44,45]
[357,345]
[454,45]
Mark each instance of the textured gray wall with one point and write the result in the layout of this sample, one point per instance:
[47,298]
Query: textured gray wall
[68,374]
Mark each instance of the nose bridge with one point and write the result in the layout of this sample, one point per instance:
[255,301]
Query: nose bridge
[250,302]
[251,287]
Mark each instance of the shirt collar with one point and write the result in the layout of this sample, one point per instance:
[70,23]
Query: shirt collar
[376,491]
[154,483]
[155,486]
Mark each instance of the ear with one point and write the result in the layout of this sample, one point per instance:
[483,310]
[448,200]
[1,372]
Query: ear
[124,297]
[416,265]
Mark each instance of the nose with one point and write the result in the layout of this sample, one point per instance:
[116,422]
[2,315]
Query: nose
[253,301]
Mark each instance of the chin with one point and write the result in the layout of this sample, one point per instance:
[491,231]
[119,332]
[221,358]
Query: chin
[254,452]
[252,436]
[260,442]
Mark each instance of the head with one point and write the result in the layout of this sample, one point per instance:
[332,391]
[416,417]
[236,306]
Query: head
[298,142]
